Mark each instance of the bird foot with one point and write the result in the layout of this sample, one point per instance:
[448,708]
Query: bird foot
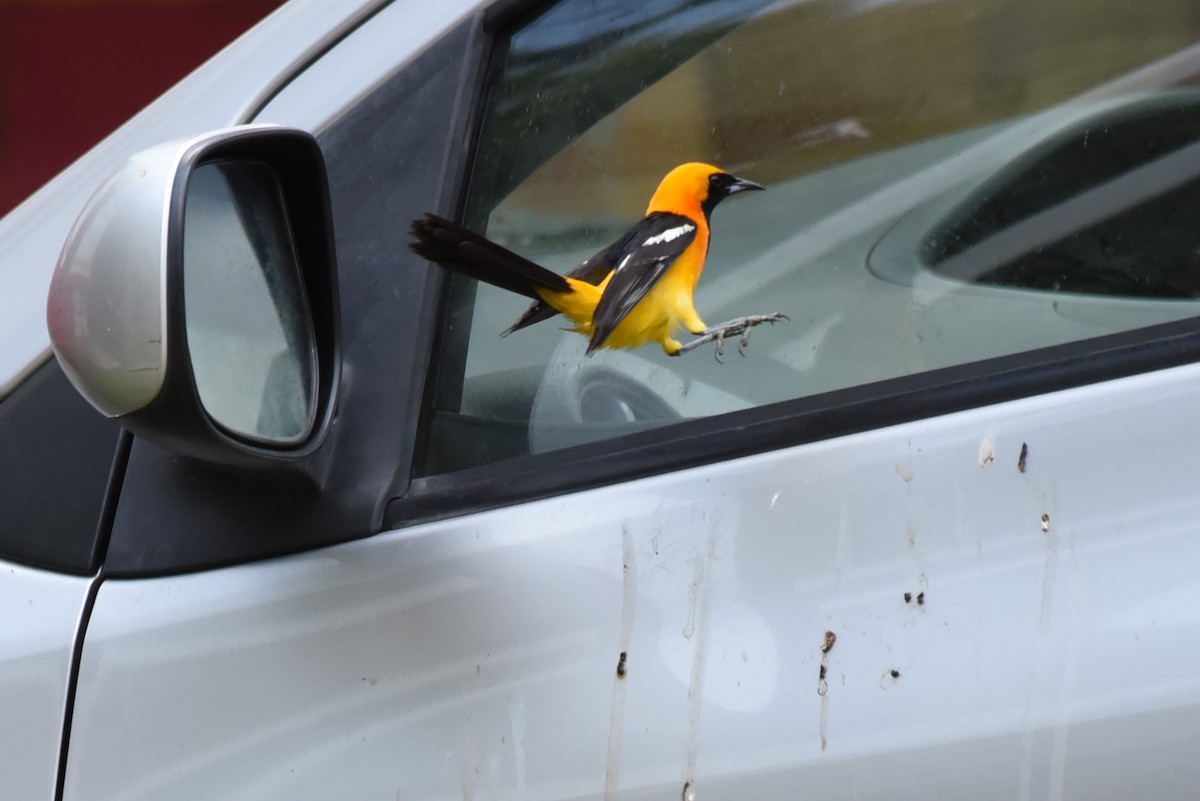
[740,327]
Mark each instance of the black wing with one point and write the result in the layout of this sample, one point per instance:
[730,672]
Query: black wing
[591,270]
[661,238]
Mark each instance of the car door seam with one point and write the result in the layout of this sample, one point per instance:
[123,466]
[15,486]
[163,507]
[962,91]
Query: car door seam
[85,616]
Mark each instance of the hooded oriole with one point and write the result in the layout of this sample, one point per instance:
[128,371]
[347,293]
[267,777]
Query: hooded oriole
[635,291]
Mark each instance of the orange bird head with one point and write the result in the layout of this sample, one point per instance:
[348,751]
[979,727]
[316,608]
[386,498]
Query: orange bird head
[696,187]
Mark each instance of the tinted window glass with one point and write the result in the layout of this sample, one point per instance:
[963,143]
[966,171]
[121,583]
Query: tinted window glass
[935,172]
[1102,208]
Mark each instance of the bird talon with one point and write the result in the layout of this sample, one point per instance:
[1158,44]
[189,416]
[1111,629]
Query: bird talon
[741,328]
[744,342]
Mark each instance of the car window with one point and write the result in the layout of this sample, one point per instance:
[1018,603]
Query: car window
[948,182]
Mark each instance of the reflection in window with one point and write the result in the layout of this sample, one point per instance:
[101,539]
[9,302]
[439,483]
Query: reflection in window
[871,122]
[1105,207]
[248,330]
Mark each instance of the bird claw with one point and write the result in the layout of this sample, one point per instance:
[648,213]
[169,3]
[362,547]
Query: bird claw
[739,327]
[720,349]
[744,342]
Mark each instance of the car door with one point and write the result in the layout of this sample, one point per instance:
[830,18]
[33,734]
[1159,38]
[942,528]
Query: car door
[56,457]
[60,461]
[931,536]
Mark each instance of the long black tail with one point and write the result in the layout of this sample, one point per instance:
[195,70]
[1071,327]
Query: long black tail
[462,251]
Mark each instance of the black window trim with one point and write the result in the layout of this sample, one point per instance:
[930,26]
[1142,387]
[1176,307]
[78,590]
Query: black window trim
[798,421]
[766,428]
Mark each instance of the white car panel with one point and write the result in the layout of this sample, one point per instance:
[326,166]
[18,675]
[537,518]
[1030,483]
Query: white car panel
[359,64]
[1014,604]
[39,612]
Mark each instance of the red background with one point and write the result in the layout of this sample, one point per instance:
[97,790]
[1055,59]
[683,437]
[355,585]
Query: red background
[71,72]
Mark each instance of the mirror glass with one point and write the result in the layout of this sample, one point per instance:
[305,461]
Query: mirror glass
[248,327]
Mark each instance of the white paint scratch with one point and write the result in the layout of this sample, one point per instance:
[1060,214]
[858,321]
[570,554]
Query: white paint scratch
[1048,577]
[1050,528]
[824,721]
[702,584]
[616,724]
[823,686]
[987,452]
[689,628]
[1056,790]
[518,737]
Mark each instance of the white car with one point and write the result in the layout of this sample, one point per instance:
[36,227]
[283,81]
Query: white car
[284,518]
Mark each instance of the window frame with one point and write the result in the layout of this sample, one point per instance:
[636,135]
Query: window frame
[176,515]
[775,426]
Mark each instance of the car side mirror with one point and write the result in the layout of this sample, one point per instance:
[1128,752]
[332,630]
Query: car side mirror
[195,300]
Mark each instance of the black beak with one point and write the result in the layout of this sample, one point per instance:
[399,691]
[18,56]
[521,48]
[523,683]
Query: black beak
[721,185]
[742,185]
